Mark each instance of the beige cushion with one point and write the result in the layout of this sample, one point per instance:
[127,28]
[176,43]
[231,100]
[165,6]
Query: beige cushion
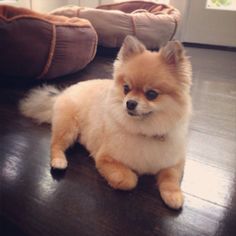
[154,24]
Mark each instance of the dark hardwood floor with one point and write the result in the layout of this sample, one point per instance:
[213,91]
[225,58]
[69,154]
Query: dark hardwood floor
[38,201]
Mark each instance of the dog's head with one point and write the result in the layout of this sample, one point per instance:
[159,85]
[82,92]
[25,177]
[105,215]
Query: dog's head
[152,85]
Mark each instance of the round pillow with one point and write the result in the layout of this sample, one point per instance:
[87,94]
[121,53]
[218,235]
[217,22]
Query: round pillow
[43,46]
[154,24]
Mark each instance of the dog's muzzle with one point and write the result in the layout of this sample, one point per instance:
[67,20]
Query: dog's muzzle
[131,105]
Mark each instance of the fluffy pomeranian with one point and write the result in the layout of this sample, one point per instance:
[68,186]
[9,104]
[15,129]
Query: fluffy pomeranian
[132,125]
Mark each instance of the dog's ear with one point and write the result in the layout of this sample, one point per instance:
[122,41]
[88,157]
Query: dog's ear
[173,52]
[131,46]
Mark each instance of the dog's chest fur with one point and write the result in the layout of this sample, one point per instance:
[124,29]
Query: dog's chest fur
[146,155]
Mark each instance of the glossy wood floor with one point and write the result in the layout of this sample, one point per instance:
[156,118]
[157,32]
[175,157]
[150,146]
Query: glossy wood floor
[37,201]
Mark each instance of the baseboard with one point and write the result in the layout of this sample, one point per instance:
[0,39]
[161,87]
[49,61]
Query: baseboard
[208,46]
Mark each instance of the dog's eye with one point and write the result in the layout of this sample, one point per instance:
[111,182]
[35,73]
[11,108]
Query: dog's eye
[126,89]
[151,94]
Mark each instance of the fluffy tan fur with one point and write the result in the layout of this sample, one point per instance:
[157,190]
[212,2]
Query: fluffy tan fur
[124,142]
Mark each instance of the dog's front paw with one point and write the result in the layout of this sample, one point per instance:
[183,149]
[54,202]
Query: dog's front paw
[124,180]
[59,163]
[173,198]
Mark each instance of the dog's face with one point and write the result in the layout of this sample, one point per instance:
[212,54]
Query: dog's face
[152,84]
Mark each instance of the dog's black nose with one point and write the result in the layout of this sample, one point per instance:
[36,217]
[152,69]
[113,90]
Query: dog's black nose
[131,105]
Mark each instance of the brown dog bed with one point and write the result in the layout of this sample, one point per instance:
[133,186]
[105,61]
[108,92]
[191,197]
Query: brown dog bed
[43,46]
[154,24]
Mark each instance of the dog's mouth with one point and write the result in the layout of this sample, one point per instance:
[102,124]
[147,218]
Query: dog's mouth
[133,113]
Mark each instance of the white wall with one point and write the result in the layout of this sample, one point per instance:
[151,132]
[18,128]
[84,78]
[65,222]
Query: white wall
[48,5]
[204,26]
[182,7]
[19,3]
[207,26]
[45,6]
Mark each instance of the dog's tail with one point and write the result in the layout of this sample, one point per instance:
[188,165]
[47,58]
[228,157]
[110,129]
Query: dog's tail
[38,104]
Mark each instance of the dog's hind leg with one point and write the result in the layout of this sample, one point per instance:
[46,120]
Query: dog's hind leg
[65,131]
[117,175]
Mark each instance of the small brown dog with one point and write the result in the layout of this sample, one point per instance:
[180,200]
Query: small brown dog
[132,125]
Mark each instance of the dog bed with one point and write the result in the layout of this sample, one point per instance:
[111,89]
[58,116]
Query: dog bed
[154,24]
[43,46]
